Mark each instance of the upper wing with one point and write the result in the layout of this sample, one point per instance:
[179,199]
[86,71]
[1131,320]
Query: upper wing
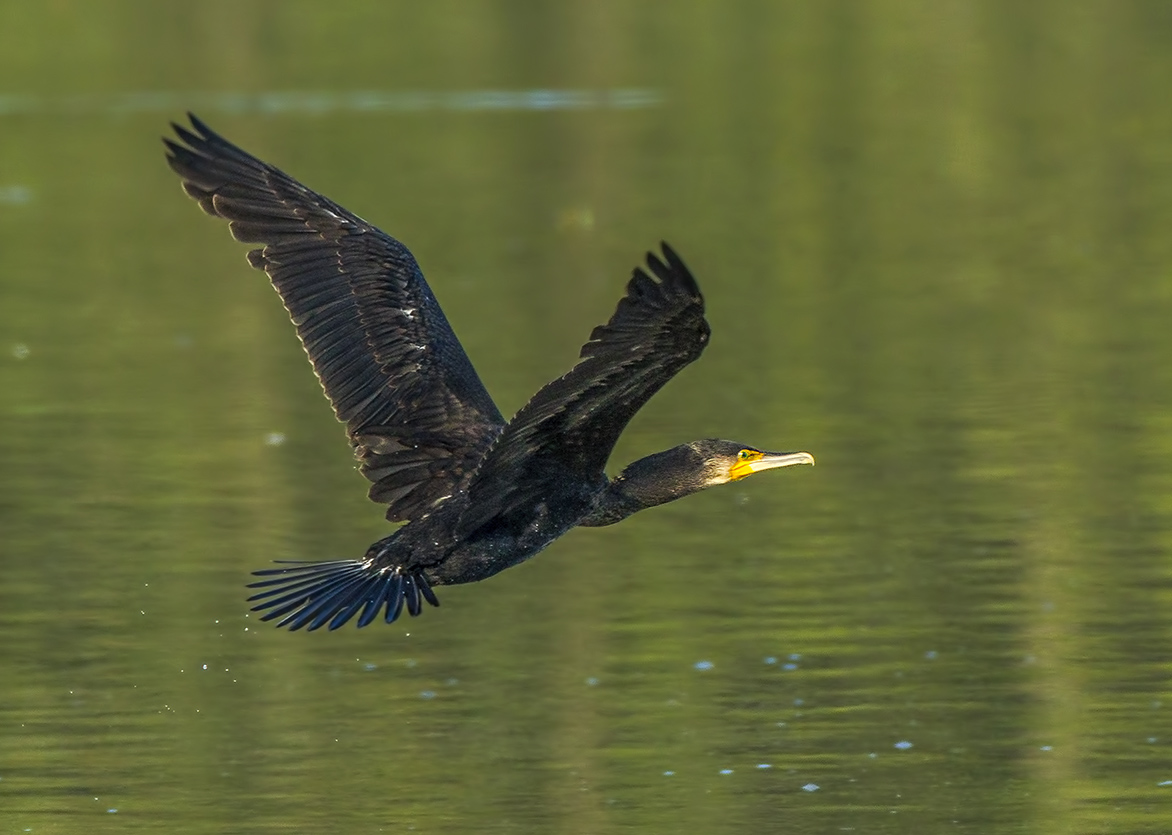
[416,412]
[568,429]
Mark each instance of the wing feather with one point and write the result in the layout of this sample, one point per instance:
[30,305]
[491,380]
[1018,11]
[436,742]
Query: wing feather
[565,434]
[415,410]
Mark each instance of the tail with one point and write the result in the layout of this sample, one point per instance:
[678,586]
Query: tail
[312,594]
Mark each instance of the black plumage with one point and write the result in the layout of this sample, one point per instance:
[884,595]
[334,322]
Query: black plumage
[480,494]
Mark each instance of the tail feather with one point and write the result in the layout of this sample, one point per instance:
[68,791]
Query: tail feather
[288,589]
[344,613]
[372,604]
[302,567]
[425,588]
[314,594]
[411,593]
[394,600]
[320,609]
[293,599]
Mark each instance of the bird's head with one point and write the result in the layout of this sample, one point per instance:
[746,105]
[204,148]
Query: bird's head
[725,461]
[683,470]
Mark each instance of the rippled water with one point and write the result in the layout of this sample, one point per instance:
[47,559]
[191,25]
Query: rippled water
[934,243]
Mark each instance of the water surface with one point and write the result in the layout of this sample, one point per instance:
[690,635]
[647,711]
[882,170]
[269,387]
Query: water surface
[934,243]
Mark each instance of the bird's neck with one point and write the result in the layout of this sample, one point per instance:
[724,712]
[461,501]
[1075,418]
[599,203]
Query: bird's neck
[648,482]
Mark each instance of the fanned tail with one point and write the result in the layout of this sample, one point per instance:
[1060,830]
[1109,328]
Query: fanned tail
[316,594]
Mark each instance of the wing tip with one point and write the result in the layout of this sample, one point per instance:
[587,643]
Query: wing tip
[671,268]
[665,276]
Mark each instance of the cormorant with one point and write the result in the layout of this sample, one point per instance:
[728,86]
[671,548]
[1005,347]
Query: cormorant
[479,494]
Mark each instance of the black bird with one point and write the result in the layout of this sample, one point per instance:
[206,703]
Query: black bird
[479,494]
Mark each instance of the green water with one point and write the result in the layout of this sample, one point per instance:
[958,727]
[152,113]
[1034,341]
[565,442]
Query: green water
[934,240]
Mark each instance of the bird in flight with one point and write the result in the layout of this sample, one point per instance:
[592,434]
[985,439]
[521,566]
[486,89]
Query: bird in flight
[478,493]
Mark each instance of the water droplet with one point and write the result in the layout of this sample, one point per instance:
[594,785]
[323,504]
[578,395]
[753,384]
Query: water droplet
[903,745]
[703,665]
[810,787]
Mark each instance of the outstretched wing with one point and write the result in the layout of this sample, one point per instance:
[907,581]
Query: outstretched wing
[567,431]
[416,412]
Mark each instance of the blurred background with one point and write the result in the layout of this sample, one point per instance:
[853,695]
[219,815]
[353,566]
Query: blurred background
[933,238]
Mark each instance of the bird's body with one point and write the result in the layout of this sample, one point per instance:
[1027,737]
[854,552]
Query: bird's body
[479,494]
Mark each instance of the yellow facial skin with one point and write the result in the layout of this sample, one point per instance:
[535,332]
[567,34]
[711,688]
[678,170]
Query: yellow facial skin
[751,461]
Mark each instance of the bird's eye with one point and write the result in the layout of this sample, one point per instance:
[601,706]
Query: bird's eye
[745,454]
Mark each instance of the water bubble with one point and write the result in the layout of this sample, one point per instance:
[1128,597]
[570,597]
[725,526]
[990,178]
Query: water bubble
[810,787]
[903,745]
[703,665]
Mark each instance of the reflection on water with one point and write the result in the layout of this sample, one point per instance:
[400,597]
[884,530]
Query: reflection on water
[320,102]
[934,247]
[15,195]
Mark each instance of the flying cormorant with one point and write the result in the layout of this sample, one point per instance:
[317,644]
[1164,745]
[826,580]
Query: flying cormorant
[479,494]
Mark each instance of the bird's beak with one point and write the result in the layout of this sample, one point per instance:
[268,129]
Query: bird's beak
[769,461]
